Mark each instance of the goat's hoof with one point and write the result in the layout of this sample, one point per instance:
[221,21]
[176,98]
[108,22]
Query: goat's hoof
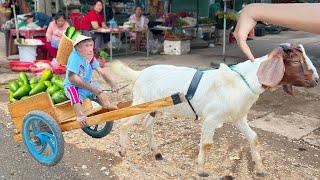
[203,174]
[226,177]
[158,156]
[122,153]
[261,173]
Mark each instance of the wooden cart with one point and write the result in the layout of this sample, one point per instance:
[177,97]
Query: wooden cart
[39,123]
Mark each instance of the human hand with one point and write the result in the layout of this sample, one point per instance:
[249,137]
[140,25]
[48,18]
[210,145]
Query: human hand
[82,119]
[102,29]
[105,103]
[244,26]
[114,88]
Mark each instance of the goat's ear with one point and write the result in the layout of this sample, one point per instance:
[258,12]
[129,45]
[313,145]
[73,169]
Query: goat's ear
[271,71]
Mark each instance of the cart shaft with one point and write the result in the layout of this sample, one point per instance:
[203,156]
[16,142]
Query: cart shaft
[104,116]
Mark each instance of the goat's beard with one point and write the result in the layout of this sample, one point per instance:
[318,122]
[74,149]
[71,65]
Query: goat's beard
[288,89]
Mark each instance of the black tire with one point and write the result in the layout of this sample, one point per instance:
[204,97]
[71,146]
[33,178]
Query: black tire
[275,31]
[47,130]
[95,132]
[271,29]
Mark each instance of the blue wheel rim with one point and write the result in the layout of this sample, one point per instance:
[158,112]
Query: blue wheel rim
[41,143]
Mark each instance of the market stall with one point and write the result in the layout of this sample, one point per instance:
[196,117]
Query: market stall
[181,20]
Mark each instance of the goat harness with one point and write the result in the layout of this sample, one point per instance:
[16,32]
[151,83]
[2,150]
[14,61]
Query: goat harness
[193,88]
[196,80]
[232,67]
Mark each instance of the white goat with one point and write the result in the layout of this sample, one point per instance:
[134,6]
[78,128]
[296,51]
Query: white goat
[223,96]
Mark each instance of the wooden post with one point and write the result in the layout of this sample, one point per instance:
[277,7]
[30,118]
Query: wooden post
[48,8]
[41,6]
[125,112]
[57,4]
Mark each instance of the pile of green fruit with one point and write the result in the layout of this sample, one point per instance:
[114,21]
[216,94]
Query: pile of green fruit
[205,20]
[181,23]
[72,33]
[23,88]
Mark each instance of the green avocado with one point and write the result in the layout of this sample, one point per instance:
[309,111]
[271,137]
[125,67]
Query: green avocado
[13,85]
[22,76]
[59,97]
[51,90]
[70,31]
[75,35]
[33,80]
[40,87]
[22,91]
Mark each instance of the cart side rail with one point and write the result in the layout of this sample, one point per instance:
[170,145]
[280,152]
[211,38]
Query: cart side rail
[17,110]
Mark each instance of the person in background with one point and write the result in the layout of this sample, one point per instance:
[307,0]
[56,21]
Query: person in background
[55,29]
[140,23]
[285,15]
[108,12]
[42,19]
[35,20]
[94,20]
[54,33]
[28,23]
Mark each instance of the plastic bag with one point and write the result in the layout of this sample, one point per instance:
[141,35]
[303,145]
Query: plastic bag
[115,43]
[113,23]
[155,47]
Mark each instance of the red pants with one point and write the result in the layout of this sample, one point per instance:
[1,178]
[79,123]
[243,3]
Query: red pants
[48,48]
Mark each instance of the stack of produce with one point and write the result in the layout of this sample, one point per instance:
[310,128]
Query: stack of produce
[72,33]
[181,23]
[65,45]
[170,19]
[175,36]
[23,88]
[206,21]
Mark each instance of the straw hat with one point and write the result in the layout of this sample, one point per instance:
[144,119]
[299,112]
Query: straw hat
[79,39]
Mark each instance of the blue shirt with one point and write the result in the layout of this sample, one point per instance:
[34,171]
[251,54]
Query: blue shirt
[78,65]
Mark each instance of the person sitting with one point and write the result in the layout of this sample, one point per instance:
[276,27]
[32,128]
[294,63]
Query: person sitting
[78,83]
[35,20]
[108,12]
[140,23]
[42,19]
[94,20]
[55,31]
[28,22]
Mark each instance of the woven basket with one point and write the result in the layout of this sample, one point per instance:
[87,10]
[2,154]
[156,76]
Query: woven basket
[64,50]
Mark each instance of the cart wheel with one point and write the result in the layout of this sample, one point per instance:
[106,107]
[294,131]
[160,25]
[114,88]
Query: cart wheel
[99,131]
[43,138]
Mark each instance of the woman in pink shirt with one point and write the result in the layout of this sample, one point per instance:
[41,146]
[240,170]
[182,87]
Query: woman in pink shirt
[56,29]
[140,21]
[140,24]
